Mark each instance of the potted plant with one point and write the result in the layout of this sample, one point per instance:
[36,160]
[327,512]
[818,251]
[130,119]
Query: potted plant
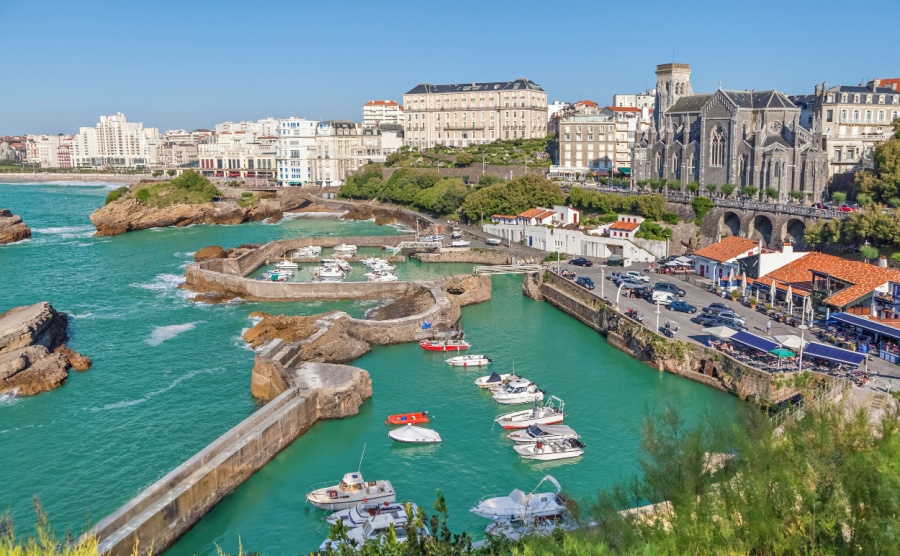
[735,295]
[753,303]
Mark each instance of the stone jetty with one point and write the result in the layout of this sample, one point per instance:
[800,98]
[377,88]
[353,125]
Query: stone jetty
[12,228]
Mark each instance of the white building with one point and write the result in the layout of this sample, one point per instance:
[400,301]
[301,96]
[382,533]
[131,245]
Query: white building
[721,259]
[44,150]
[587,144]
[339,151]
[264,127]
[114,142]
[647,100]
[296,151]
[238,155]
[556,107]
[377,112]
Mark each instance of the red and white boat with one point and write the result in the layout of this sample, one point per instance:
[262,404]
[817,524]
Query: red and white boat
[444,345]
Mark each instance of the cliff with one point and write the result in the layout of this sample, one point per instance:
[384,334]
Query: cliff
[12,228]
[33,355]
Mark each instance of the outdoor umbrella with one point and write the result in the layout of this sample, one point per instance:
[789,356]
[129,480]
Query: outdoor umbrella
[790,341]
[781,353]
[730,278]
[744,285]
[721,332]
[790,300]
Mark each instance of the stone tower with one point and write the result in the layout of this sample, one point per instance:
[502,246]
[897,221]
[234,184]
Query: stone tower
[673,81]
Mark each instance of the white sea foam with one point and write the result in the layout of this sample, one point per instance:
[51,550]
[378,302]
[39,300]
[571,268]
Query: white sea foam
[181,254]
[162,333]
[9,398]
[294,215]
[82,315]
[150,395]
[67,232]
[162,282]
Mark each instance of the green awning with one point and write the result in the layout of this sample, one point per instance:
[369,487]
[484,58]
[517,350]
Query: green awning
[294,183]
[625,171]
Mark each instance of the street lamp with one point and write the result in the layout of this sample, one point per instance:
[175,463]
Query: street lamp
[602,282]
[802,328]
[618,292]
[658,299]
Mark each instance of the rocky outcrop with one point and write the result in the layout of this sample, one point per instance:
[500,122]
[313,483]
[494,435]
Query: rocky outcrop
[12,228]
[33,355]
[209,253]
[467,289]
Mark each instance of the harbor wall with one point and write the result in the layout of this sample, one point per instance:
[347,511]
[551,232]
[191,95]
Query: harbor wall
[162,513]
[687,359]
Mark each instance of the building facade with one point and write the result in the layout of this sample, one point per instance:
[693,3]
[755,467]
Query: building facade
[466,114]
[746,138]
[43,150]
[587,144]
[647,100]
[237,155]
[377,112]
[630,122]
[114,142]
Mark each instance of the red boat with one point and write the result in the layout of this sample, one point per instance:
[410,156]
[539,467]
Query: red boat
[444,345]
[407,418]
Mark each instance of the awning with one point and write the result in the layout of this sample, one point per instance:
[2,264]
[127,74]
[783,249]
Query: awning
[294,183]
[867,324]
[626,171]
[831,353]
[754,341]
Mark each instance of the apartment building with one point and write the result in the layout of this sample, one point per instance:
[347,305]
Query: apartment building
[43,150]
[114,142]
[587,144]
[647,100]
[296,151]
[630,123]
[265,127]
[377,112]
[339,151]
[464,114]
[238,155]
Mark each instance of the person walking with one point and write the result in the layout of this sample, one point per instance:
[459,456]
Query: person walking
[769,327]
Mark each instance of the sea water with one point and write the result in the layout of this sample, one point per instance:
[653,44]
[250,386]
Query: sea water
[170,376]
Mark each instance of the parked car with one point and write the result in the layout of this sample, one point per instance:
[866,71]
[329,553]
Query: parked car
[821,206]
[644,292]
[613,275]
[662,298]
[581,261]
[716,308]
[682,307]
[737,324]
[667,287]
[616,260]
[846,208]
[637,275]
[732,315]
[706,320]
[585,282]
[630,284]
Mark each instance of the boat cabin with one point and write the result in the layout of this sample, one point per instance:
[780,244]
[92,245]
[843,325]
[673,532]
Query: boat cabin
[517,387]
[351,482]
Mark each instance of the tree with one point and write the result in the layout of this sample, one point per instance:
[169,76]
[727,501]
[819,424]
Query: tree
[711,187]
[839,197]
[771,193]
[868,252]
[796,195]
[642,184]
[171,173]
[513,197]
[728,189]
[693,187]
[464,159]
[895,258]
[750,191]
[864,199]
[673,185]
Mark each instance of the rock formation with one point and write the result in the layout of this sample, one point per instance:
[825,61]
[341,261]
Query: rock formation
[12,228]
[33,354]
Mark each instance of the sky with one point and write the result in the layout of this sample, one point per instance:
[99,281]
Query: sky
[192,63]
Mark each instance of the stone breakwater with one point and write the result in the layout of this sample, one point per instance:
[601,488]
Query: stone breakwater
[33,354]
[12,228]
[687,359]
[161,514]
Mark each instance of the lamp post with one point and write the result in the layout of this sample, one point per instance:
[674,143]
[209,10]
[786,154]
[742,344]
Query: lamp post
[657,314]
[618,292]
[602,282]
[802,328]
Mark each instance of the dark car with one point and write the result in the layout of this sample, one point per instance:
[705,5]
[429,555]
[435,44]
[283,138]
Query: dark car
[732,315]
[585,282]
[613,275]
[682,307]
[581,261]
[705,319]
[667,287]
[730,323]
[716,308]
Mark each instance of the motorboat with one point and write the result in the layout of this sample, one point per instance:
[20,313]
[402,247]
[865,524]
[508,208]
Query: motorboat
[457,234]
[343,265]
[495,380]
[444,345]
[352,490]
[459,243]
[518,505]
[374,528]
[515,529]
[468,361]
[551,449]
[358,514]
[287,265]
[407,418]
[432,238]
[382,266]
[345,249]
[411,434]
[369,261]
[551,413]
[272,277]
[493,241]
[308,251]
[328,274]
[518,392]
[542,433]
[381,277]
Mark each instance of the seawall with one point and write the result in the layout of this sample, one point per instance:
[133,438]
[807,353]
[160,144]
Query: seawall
[161,514]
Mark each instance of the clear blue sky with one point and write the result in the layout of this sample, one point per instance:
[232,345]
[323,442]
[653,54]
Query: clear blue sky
[192,63]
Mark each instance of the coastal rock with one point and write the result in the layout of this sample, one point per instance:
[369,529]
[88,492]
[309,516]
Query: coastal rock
[209,253]
[467,289]
[12,228]
[33,355]
[326,337]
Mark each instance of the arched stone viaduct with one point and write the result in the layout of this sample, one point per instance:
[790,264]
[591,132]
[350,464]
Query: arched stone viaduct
[774,228]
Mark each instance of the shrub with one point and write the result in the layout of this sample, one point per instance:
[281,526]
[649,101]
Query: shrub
[868,252]
[143,195]
[839,197]
[669,218]
[728,189]
[116,194]
[652,230]
[771,192]
[895,258]
[796,195]
[711,187]
[701,206]
[864,199]
[750,191]
[693,187]
[171,173]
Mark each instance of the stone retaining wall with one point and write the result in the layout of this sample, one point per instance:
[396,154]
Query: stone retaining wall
[463,255]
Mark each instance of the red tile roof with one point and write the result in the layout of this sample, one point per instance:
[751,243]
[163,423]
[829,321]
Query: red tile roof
[623,108]
[627,226]
[586,103]
[727,249]
[503,216]
[892,81]
[779,286]
[532,213]
[382,103]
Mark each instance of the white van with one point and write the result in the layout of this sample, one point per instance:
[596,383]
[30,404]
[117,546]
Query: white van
[663,298]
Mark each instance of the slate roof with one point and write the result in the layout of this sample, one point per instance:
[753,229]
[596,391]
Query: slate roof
[517,85]
[692,103]
[727,249]
[757,100]
[861,89]
[776,140]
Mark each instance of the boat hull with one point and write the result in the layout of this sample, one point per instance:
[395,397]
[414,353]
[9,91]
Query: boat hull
[550,456]
[324,501]
[428,346]
[407,418]
[519,399]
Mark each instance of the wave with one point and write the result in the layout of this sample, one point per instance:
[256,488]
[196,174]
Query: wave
[295,215]
[82,315]
[162,282]
[162,333]
[150,395]
[67,232]
[180,254]
[9,398]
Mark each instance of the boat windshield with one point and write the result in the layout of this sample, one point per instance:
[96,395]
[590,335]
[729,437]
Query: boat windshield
[346,487]
[534,431]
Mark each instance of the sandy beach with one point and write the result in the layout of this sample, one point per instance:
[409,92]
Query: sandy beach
[47,177]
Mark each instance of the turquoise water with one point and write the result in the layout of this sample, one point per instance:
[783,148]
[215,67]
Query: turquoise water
[170,376]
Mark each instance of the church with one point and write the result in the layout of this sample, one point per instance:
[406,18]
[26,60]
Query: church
[745,138]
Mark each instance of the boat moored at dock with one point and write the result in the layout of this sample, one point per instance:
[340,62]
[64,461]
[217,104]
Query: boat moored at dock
[468,361]
[352,490]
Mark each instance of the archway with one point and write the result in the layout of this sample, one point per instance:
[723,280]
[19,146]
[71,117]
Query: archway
[793,230]
[730,223]
[761,228]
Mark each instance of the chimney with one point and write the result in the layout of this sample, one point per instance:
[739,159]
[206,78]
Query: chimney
[875,83]
[817,89]
[882,262]
[787,247]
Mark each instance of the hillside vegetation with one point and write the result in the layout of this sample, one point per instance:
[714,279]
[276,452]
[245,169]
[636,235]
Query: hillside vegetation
[534,153]
[190,188]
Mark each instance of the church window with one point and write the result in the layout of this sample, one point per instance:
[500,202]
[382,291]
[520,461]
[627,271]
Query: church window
[717,146]
[659,165]
[675,164]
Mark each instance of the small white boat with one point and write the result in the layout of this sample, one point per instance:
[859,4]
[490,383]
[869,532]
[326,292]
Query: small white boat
[493,241]
[369,261]
[551,450]
[457,234]
[272,277]
[518,392]
[382,266]
[381,277]
[411,434]
[352,490]
[345,249]
[328,274]
[433,238]
[343,265]
[308,251]
[459,243]
[551,413]
[375,527]
[358,514]
[494,380]
[518,505]
[287,265]
[468,361]
[542,433]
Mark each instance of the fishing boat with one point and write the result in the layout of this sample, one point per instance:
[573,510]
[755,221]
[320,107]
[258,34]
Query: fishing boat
[495,380]
[551,413]
[375,529]
[459,243]
[551,450]
[468,361]
[407,418]
[345,249]
[518,505]
[358,514]
[444,345]
[518,392]
[542,433]
[352,490]
[411,434]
